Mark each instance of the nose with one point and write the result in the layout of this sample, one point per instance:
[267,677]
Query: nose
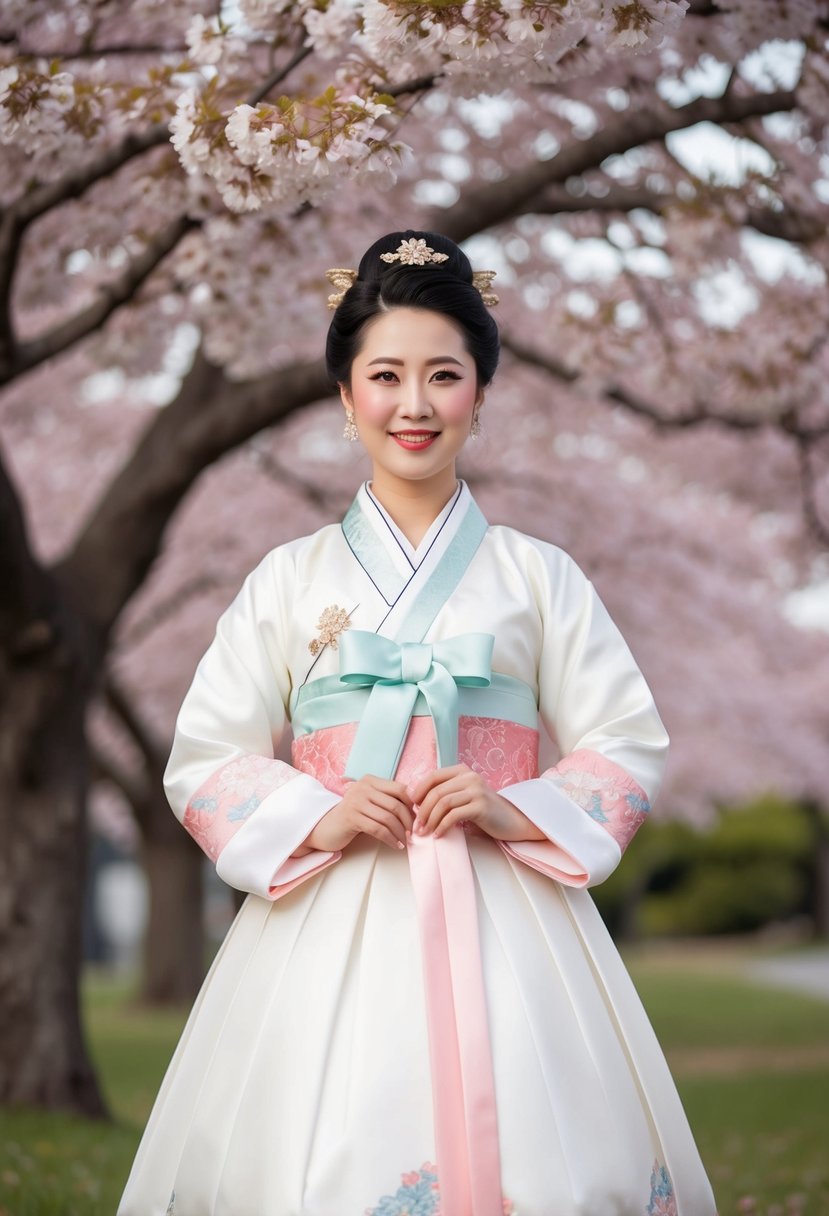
[415,401]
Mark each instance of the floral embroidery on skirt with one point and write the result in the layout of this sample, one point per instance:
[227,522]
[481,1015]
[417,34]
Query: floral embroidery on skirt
[419,1195]
[663,1200]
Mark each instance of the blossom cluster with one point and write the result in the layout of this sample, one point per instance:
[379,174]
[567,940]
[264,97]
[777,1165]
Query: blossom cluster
[279,155]
[46,111]
[286,153]
[520,39]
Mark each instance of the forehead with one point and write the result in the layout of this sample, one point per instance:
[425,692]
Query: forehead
[411,333]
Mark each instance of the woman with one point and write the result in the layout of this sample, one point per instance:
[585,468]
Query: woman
[418,1009]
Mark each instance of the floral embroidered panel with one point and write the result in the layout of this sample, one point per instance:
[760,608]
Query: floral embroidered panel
[604,790]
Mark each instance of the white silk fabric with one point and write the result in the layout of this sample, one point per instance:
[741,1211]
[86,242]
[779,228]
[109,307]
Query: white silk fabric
[301,1085]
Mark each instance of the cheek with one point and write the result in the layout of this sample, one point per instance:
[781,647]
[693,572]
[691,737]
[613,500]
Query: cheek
[459,403]
[372,403]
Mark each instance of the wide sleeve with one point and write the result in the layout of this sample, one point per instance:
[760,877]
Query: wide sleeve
[595,703]
[248,811]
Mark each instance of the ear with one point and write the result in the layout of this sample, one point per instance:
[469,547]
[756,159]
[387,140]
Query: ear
[345,395]
[480,398]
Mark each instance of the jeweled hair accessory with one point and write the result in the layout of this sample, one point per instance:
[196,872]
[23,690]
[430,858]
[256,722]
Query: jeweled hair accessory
[413,252]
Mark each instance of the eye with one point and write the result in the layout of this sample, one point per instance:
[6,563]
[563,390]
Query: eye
[445,374]
[381,377]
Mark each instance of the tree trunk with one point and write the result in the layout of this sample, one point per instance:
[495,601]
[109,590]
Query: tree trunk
[48,662]
[43,779]
[174,946]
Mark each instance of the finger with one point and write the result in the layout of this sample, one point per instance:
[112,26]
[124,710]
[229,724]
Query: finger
[436,777]
[378,830]
[401,814]
[459,815]
[396,788]
[387,802]
[397,826]
[442,807]
[453,785]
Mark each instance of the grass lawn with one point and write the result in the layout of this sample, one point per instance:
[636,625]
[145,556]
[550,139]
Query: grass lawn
[751,1063]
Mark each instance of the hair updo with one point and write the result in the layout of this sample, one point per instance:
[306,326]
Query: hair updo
[444,287]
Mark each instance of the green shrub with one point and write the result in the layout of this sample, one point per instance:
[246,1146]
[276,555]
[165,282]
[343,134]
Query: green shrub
[753,867]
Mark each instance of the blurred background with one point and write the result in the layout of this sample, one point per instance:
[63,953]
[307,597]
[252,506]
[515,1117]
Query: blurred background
[650,182]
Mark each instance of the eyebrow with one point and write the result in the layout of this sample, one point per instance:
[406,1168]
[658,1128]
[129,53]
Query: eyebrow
[429,362]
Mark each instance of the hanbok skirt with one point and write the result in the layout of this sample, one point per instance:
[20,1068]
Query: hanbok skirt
[302,1084]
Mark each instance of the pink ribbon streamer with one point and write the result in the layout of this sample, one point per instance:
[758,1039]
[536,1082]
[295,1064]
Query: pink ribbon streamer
[463,1085]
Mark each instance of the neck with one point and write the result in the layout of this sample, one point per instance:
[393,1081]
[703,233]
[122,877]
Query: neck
[414,505]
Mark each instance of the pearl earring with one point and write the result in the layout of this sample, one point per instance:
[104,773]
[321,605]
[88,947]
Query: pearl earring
[350,431]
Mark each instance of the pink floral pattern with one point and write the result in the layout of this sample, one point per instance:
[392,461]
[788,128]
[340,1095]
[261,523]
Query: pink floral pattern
[502,752]
[223,803]
[605,790]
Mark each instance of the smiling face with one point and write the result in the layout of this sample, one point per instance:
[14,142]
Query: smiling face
[414,388]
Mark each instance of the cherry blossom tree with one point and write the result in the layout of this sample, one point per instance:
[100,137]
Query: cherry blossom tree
[176,180]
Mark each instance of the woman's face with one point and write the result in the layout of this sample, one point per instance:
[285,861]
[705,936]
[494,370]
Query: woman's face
[414,388]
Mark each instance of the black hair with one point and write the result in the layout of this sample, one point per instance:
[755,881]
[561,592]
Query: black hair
[445,287]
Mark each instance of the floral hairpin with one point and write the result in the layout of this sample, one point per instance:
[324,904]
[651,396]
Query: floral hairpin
[413,252]
[331,624]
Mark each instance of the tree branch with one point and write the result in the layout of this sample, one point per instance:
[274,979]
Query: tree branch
[162,611]
[100,52]
[104,768]
[793,226]
[418,85]
[630,400]
[483,207]
[209,417]
[73,185]
[28,605]
[120,705]
[283,475]
[804,436]
[277,76]
[110,297]
[809,490]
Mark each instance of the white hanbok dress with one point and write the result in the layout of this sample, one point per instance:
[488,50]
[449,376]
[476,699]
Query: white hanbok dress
[446,1029]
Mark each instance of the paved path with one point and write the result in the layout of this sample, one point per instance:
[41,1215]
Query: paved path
[807,972]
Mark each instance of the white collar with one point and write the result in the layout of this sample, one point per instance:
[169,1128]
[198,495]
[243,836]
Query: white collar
[412,555]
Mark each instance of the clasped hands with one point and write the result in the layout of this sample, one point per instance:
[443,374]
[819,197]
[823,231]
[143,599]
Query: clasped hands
[389,811]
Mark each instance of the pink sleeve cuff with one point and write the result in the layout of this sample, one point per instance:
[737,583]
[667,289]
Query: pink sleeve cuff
[577,852]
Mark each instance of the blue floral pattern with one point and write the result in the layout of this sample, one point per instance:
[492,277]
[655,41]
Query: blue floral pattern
[663,1200]
[419,1195]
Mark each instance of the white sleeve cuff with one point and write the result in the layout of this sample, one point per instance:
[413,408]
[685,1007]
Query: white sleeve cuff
[258,857]
[577,852]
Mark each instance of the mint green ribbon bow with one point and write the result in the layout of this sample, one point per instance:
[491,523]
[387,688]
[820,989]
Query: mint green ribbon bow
[396,673]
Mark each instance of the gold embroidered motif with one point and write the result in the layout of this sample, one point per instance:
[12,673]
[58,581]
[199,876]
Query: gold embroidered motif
[331,624]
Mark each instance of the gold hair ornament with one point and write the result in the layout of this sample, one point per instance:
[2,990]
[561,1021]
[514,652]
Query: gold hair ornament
[413,252]
[341,279]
